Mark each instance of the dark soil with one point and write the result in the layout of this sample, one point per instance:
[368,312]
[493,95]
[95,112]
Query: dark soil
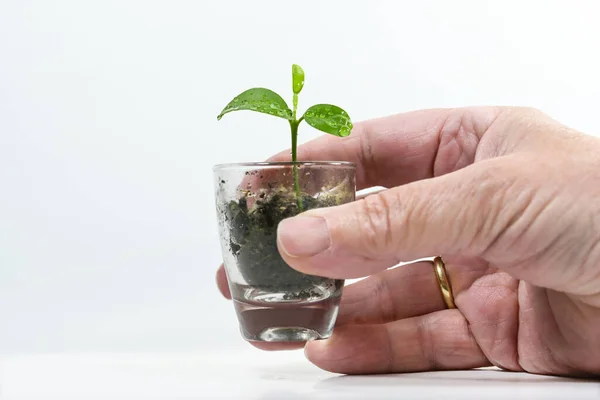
[253,241]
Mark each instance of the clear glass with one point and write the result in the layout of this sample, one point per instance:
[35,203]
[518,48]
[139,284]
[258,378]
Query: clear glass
[273,302]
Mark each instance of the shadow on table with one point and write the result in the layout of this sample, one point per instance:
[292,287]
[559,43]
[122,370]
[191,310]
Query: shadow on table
[449,378]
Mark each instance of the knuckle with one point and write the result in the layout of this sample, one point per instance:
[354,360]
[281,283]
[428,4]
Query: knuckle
[366,155]
[376,224]
[460,135]
[384,298]
[452,348]
[524,111]
[427,345]
[525,118]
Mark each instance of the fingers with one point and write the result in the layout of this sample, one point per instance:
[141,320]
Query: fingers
[222,283]
[394,150]
[459,213]
[406,291]
[491,306]
[437,341]
[402,292]
[402,148]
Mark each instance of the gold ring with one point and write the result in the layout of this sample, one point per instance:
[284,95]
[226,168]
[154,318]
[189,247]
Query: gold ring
[440,272]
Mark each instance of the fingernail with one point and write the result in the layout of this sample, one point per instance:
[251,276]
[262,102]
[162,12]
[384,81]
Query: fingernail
[303,236]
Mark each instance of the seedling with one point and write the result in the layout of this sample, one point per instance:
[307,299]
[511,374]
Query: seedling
[275,302]
[324,117]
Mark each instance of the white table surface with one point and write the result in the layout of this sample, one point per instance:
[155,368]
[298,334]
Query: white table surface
[251,374]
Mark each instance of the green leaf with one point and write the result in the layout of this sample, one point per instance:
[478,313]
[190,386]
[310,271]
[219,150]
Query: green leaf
[329,119]
[297,78]
[260,100]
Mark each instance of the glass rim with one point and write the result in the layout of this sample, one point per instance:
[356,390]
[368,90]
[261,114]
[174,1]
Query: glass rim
[346,164]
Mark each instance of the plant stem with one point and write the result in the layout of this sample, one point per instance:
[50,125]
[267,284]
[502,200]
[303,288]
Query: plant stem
[295,104]
[294,127]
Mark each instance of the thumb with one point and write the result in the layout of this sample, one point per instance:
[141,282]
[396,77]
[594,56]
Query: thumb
[461,212]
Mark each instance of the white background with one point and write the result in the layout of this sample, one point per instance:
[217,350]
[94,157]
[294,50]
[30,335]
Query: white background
[108,133]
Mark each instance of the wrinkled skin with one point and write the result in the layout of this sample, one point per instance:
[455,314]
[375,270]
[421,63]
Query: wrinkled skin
[507,196]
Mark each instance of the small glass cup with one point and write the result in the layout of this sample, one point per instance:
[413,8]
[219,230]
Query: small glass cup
[273,302]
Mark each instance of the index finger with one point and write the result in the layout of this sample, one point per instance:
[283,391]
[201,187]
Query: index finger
[402,148]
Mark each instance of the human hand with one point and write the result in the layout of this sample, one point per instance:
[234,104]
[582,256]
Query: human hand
[507,196]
